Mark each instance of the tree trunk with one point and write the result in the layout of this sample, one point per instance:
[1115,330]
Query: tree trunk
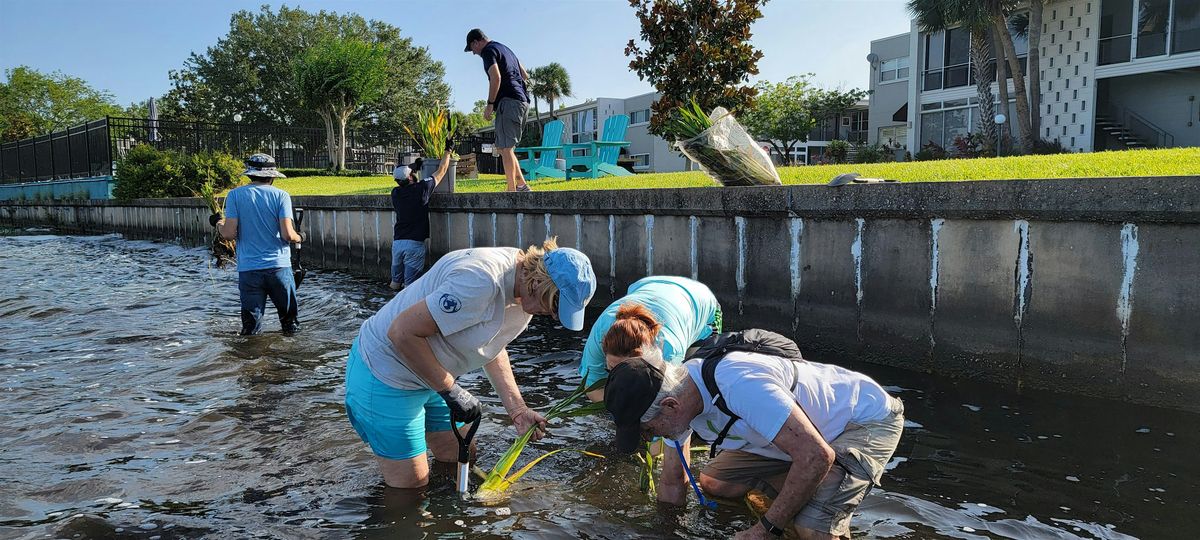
[342,119]
[984,75]
[1014,66]
[537,115]
[330,143]
[1002,88]
[1035,67]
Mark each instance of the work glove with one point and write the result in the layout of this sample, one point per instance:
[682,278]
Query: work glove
[216,217]
[463,406]
[450,142]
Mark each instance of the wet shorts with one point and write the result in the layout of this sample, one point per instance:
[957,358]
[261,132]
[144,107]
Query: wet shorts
[862,451]
[392,421]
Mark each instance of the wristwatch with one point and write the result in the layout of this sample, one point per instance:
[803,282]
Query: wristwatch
[770,527]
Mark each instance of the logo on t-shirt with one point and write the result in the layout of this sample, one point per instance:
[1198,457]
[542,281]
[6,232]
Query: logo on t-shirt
[450,303]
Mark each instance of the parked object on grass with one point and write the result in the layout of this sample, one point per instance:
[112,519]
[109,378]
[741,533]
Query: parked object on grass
[854,178]
[723,148]
[599,157]
[539,161]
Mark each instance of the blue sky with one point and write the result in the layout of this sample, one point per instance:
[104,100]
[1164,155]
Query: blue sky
[128,46]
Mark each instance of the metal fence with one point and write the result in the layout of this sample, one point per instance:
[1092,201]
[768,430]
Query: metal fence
[76,152]
[94,148]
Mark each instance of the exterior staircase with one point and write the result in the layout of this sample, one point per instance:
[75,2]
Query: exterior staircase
[1131,131]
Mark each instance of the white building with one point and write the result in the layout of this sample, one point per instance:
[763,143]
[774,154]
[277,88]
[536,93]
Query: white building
[1114,74]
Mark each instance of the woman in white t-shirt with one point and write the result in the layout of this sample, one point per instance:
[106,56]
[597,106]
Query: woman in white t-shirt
[458,317]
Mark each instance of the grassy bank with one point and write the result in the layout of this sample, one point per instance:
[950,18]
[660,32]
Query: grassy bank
[1168,162]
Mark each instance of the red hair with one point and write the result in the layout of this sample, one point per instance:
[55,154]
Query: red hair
[634,327]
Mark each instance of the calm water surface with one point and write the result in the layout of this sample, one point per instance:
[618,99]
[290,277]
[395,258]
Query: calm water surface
[130,409]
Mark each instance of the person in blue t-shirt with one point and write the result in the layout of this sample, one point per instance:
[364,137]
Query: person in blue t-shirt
[507,98]
[410,200]
[660,316]
[259,217]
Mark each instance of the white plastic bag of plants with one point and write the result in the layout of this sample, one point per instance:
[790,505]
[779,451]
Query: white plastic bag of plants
[729,154]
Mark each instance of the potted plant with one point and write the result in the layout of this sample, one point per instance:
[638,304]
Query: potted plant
[433,127]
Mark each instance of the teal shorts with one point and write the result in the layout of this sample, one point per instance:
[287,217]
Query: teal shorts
[392,421]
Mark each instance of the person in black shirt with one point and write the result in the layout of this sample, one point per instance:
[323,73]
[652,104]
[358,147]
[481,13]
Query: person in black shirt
[410,199]
[507,98]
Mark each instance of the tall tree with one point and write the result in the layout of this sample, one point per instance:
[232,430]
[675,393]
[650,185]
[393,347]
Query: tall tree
[1035,68]
[999,12]
[783,113]
[939,15]
[248,71]
[695,49]
[336,78]
[552,83]
[34,103]
[469,123]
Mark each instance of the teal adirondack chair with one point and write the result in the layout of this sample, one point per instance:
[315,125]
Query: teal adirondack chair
[599,157]
[539,160]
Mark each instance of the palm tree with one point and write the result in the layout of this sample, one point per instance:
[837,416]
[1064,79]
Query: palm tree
[935,15]
[551,83]
[999,12]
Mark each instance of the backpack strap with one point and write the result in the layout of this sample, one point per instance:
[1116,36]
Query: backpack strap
[708,372]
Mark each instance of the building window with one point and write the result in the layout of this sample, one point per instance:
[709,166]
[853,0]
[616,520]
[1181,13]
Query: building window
[895,69]
[1153,16]
[639,117]
[894,136]
[640,161]
[583,126]
[1116,28]
[1185,27]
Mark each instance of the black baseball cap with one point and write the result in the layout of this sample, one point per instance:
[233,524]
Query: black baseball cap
[474,35]
[629,392]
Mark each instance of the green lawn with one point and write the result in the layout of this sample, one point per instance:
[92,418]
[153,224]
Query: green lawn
[1168,162]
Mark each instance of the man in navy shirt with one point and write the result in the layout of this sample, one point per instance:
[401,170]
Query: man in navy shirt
[507,98]
[410,199]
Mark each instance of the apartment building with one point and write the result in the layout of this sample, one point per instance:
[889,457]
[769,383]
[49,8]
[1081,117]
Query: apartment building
[1114,74]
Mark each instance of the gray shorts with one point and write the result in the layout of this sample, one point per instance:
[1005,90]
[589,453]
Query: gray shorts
[510,122]
[862,450]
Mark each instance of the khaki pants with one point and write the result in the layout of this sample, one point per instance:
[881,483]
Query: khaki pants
[862,451]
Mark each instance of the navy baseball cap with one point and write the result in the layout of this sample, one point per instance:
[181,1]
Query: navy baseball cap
[572,273]
[631,388]
[474,35]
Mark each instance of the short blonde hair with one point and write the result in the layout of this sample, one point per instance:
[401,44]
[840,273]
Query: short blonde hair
[535,277]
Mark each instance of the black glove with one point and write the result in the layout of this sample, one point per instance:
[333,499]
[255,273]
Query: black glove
[463,406]
[450,142]
[213,219]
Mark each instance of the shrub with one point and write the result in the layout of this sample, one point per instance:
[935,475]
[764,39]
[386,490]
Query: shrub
[931,151]
[872,153]
[970,146]
[146,172]
[837,150]
[1044,147]
[301,173]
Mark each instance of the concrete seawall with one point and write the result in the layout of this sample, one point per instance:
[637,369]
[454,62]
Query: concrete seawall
[1082,286]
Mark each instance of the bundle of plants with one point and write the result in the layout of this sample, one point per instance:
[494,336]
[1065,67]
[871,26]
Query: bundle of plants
[224,251]
[722,147]
[433,128]
[498,481]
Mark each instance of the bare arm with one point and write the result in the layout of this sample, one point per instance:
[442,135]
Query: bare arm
[524,74]
[499,372]
[407,334]
[811,460]
[287,232]
[493,82]
[672,482]
[228,227]
[596,395]
[443,166]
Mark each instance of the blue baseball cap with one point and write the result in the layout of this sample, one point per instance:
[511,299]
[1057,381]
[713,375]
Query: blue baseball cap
[572,273]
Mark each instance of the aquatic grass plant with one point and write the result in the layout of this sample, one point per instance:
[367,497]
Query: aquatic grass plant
[498,480]
[433,128]
[224,251]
